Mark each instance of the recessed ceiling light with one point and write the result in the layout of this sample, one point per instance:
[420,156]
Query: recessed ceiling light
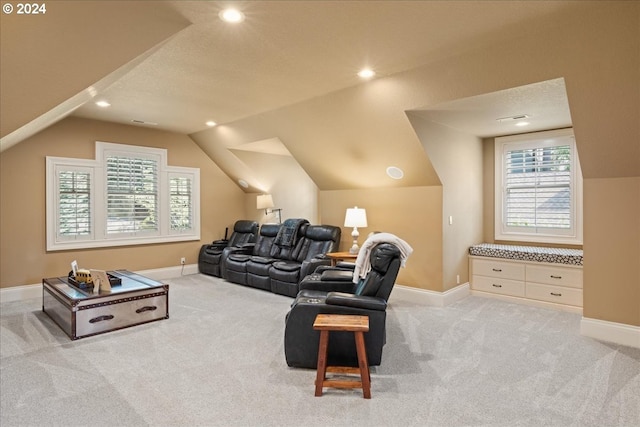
[395,172]
[231,15]
[103,104]
[211,123]
[522,124]
[243,183]
[366,73]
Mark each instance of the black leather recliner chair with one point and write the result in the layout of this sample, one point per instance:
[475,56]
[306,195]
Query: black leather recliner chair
[308,254]
[210,257]
[333,292]
[235,265]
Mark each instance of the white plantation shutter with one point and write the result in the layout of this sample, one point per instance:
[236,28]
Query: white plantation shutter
[538,188]
[132,194]
[128,195]
[180,205]
[74,203]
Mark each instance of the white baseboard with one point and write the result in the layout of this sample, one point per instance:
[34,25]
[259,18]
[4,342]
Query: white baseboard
[427,297]
[618,333]
[169,272]
[19,293]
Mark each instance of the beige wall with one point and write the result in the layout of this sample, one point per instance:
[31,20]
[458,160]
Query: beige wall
[457,158]
[412,213]
[289,185]
[22,201]
[612,250]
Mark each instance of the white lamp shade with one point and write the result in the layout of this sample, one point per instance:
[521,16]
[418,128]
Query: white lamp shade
[355,217]
[264,201]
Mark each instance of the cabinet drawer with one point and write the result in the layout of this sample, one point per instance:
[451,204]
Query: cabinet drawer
[557,294]
[554,275]
[491,268]
[498,285]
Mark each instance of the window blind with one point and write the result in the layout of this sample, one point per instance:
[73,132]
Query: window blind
[181,210]
[74,203]
[538,187]
[132,194]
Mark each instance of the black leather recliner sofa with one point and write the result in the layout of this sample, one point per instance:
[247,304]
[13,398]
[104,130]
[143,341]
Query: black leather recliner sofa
[333,292]
[236,261]
[278,263]
[211,256]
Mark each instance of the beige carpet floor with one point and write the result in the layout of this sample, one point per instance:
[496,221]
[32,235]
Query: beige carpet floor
[219,361]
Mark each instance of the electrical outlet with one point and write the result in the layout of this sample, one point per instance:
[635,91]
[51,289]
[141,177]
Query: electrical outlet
[457,279]
[183,260]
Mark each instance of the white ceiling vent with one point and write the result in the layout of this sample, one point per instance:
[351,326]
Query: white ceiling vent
[513,118]
[142,122]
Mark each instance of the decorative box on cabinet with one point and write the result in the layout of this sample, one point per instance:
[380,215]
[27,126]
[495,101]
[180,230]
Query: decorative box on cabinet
[528,279]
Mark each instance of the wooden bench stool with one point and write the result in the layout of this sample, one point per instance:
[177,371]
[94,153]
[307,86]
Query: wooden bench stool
[326,323]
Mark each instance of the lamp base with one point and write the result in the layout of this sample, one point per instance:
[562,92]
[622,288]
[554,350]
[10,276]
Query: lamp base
[355,248]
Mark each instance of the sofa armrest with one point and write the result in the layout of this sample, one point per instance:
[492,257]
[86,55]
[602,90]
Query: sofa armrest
[337,275]
[314,283]
[357,301]
[246,249]
[309,266]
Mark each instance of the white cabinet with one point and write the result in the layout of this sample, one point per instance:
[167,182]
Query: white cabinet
[529,280]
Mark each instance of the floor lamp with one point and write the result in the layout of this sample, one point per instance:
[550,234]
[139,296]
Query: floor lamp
[265,201]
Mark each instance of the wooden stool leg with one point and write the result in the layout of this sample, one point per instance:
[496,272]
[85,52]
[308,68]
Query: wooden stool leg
[363,362]
[322,361]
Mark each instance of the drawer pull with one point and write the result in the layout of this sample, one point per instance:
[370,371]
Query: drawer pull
[496,286]
[556,277]
[555,294]
[499,270]
[146,308]
[101,318]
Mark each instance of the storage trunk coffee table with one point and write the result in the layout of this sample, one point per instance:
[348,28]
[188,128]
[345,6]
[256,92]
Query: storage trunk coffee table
[81,313]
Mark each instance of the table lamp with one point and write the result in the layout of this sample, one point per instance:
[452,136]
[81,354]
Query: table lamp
[355,218]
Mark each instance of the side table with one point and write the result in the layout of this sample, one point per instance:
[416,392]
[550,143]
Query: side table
[350,323]
[341,256]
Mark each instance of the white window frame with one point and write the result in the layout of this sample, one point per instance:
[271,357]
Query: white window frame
[573,235]
[98,223]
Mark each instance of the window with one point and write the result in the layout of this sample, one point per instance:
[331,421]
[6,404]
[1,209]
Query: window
[538,188]
[132,194]
[181,205]
[127,196]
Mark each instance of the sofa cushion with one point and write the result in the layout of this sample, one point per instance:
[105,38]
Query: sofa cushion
[262,259]
[287,265]
[239,257]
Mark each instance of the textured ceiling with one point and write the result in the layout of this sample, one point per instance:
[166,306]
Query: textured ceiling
[289,51]
[545,104]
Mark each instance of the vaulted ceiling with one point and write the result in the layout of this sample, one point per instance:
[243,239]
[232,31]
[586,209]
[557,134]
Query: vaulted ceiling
[206,69]
[175,65]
